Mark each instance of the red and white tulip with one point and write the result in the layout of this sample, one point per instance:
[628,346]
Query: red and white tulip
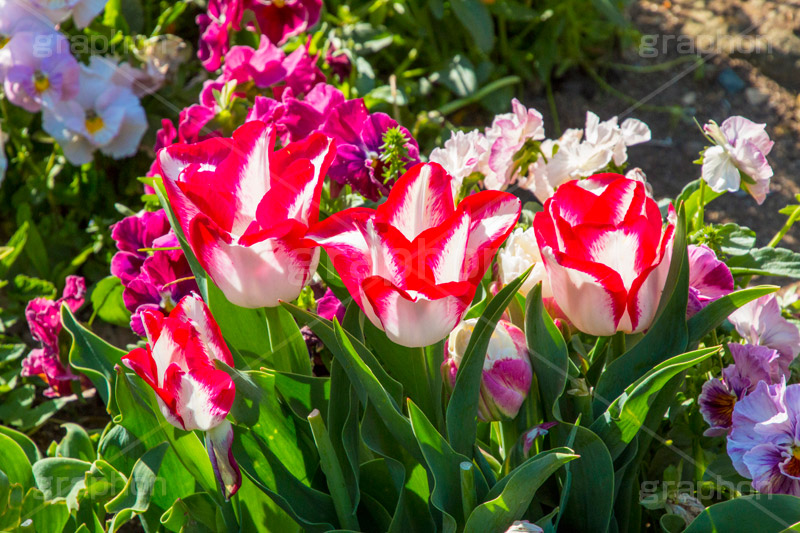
[178,363]
[245,209]
[606,252]
[414,263]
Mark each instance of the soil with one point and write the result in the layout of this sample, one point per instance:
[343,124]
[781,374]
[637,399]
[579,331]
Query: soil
[709,48]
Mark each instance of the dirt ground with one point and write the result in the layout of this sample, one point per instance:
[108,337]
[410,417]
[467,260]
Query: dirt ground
[749,65]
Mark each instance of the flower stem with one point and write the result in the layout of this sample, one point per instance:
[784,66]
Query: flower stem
[333,473]
[468,497]
[701,206]
[786,227]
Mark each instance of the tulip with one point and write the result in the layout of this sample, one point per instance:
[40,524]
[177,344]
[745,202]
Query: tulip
[192,394]
[245,210]
[606,253]
[414,263]
[507,372]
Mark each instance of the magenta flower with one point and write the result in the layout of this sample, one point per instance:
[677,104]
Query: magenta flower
[752,364]
[709,278]
[293,118]
[281,20]
[263,66]
[760,322]
[221,17]
[132,235]
[359,137]
[534,433]
[764,443]
[34,77]
[44,321]
[329,306]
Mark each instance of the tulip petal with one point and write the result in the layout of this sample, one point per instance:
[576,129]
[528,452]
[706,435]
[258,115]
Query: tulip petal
[219,442]
[422,198]
[493,215]
[193,310]
[208,154]
[204,397]
[590,294]
[645,292]
[418,320]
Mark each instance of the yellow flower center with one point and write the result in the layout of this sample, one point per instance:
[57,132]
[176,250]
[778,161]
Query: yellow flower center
[792,466]
[279,3]
[41,82]
[4,40]
[94,123]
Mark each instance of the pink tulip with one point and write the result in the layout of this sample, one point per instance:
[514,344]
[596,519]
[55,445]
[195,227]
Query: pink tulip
[606,253]
[245,209]
[414,263]
[178,363]
[507,372]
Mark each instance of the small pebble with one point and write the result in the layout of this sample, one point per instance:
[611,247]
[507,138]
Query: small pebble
[731,81]
[755,96]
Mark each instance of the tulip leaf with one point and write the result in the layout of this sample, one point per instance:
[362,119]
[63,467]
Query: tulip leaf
[343,418]
[15,463]
[583,506]
[91,355]
[24,442]
[135,496]
[287,347]
[443,464]
[667,337]
[509,499]
[323,329]
[765,513]
[712,315]
[61,477]
[547,350]
[302,393]
[192,513]
[624,416]
[310,508]
[462,410]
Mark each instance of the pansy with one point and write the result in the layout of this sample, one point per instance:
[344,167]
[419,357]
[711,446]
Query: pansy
[739,157]
[220,18]
[761,322]
[359,137]
[103,115]
[44,320]
[751,364]
[81,11]
[281,19]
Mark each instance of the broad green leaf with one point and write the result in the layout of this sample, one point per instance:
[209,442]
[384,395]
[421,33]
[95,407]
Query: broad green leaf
[323,329]
[76,444]
[667,337]
[13,248]
[135,496]
[120,448]
[586,507]
[475,17]
[195,512]
[310,508]
[107,302]
[24,442]
[547,350]
[343,427]
[302,393]
[765,513]
[47,517]
[462,410]
[622,419]
[735,240]
[766,262]
[508,501]
[288,350]
[14,463]
[61,477]
[712,315]
[91,355]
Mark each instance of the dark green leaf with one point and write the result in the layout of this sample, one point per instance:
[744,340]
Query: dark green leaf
[107,302]
[547,350]
[478,22]
[765,513]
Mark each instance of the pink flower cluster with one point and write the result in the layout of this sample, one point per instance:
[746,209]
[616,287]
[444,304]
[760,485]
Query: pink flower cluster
[277,21]
[44,320]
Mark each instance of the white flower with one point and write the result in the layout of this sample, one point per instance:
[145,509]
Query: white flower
[461,155]
[81,11]
[105,116]
[506,136]
[519,253]
[741,147]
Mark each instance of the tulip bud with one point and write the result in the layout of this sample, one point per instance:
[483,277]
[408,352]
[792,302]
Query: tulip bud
[523,526]
[534,433]
[507,372]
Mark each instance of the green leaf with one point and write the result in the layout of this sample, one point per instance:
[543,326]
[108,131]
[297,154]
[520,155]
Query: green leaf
[191,513]
[26,288]
[765,513]
[13,248]
[766,262]
[302,394]
[508,501]
[24,442]
[34,245]
[712,315]
[622,419]
[690,196]
[135,497]
[91,355]
[343,426]
[735,240]
[547,350]
[47,517]
[667,337]
[462,410]
[475,17]
[61,477]
[14,462]
[459,76]
[76,444]
[287,348]
[584,507]
[107,302]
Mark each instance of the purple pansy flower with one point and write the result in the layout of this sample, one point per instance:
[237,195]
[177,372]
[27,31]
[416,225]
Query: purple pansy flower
[760,322]
[752,364]
[220,17]
[329,306]
[281,20]
[764,443]
[132,235]
[359,137]
[709,278]
[44,320]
